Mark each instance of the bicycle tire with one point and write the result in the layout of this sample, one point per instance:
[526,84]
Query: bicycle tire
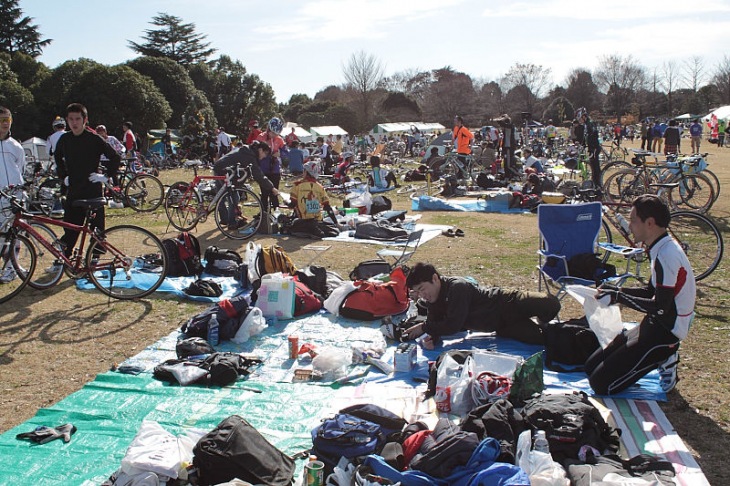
[144,193]
[694,192]
[43,278]
[244,206]
[181,206]
[612,167]
[624,186]
[604,236]
[115,260]
[714,181]
[700,239]
[21,260]
[47,197]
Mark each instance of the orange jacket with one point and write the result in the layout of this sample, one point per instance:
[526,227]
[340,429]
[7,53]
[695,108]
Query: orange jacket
[463,138]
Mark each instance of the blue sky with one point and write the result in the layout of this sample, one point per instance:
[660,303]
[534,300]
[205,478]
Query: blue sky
[301,46]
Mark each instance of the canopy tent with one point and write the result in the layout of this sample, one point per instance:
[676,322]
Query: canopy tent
[721,113]
[686,116]
[157,133]
[402,127]
[328,130]
[36,148]
[301,133]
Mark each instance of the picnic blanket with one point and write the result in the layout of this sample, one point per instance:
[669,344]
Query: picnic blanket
[494,202]
[109,410]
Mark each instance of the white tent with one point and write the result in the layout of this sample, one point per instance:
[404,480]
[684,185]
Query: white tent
[402,127]
[721,113]
[35,148]
[301,133]
[324,131]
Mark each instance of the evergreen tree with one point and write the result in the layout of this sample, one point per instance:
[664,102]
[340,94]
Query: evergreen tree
[18,33]
[173,39]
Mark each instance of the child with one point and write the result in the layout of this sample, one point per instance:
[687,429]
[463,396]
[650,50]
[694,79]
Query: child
[380,177]
[308,198]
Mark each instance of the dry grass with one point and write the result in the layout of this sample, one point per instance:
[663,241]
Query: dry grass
[55,341]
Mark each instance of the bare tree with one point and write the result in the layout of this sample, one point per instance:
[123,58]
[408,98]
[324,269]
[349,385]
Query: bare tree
[693,73]
[363,74]
[411,82]
[670,78]
[620,78]
[530,76]
[721,79]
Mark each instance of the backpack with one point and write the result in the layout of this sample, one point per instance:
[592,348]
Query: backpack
[229,313]
[645,467]
[569,342]
[204,287]
[369,268]
[183,255]
[570,422]
[306,300]
[590,267]
[222,262]
[235,449]
[225,368]
[373,300]
[380,203]
[272,259]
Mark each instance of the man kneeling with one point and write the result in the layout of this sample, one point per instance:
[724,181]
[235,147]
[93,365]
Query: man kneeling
[456,304]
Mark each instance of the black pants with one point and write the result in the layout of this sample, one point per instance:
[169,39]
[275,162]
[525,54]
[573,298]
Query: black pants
[77,216]
[268,200]
[630,356]
[595,167]
[516,308]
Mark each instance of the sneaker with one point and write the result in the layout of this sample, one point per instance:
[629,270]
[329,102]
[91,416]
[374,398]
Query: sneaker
[668,373]
[54,269]
[8,275]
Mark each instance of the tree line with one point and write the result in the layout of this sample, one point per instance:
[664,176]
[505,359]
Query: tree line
[178,82]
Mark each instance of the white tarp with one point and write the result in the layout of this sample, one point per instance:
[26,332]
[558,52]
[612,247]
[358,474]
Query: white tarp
[328,130]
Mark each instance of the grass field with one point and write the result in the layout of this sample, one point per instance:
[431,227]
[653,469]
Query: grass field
[53,342]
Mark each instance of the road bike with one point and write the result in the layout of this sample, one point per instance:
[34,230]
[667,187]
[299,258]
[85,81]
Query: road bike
[124,261]
[238,210]
[136,189]
[463,167]
[699,236]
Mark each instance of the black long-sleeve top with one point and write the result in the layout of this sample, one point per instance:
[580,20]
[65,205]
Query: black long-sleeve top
[77,156]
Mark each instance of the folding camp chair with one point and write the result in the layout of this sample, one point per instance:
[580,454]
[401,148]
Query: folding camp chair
[401,256]
[566,230]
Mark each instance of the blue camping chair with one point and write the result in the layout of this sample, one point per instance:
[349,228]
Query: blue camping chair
[567,230]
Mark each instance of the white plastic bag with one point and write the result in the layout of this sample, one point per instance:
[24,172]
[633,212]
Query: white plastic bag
[253,324]
[361,199]
[453,386]
[539,466]
[331,363]
[157,450]
[251,259]
[605,320]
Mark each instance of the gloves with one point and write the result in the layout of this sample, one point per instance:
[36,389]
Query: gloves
[65,181]
[43,434]
[96,177]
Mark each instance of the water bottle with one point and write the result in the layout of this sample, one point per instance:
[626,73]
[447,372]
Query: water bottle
[213,338]
[623,222]
[541,443]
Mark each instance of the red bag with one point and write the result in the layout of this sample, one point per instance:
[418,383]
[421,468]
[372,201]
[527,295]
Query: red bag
[306,300]
[374,300]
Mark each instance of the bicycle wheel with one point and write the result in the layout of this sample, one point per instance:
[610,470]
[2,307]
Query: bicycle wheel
[611,168]
[700,239]
[117,262]
[694,192]
[714,181]
[17,265]
[624,186]
[181,206]
[47,273]
[144,193]
[238,213]
[49,194]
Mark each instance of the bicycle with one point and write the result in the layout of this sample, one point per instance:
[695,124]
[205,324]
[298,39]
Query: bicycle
[124,262]
[460,166]
[698,235]
[138,190]
[238,210]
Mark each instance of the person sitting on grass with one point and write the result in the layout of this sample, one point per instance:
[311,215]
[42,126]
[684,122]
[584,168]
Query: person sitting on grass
[379,177]
[309,199]
[457,304]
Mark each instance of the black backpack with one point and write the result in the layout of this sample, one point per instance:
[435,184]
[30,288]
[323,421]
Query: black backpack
[235,449]
[569,342]
[183,255]
[590,267]
[222,262]
[570,422]
[204,287]
[230,313]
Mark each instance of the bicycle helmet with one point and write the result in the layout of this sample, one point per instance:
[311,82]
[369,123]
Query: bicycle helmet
[488,387]
[276,125]
[59,122]
[580,112]
[313,168]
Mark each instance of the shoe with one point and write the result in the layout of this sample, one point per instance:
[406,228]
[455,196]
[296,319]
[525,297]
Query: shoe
[8,275]
[448,232]
[54,269]
[668,373]
[459,232]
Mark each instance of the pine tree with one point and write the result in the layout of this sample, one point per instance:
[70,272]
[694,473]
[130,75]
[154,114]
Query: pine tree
[18,33]
[173,39]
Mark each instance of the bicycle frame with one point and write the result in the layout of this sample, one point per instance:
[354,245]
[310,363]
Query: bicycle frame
[228,183]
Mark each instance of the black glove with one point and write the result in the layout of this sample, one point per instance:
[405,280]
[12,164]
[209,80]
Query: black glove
[43,434]
[612,294]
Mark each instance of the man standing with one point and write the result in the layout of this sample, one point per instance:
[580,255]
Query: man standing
[291,139]
[695,133]
[590,140]
[77,157]
[462,138]
[668,302]
[12,165]
[550,134]
[59,128]
[128,139]
[223,142]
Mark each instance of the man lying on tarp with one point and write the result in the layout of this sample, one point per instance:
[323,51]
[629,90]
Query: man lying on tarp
[457,304]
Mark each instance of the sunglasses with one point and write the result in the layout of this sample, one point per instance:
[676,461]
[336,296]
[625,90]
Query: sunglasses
[6,119]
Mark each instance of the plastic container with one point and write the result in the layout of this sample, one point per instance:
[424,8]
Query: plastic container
[213,336]
[541,443]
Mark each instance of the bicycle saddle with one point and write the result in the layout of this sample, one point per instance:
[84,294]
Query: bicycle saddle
[95,203]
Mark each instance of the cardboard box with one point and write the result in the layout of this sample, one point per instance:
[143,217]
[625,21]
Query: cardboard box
[404,359]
